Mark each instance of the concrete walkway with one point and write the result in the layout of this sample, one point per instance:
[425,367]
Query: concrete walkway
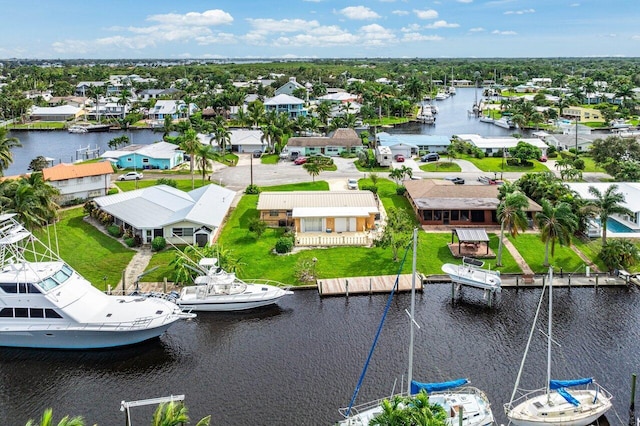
[136,267]
[526,270]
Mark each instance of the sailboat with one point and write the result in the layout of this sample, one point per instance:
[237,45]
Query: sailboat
[555,404]
[465,405]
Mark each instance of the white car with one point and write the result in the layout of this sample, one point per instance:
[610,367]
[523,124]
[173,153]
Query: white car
[130,176]
[352,183]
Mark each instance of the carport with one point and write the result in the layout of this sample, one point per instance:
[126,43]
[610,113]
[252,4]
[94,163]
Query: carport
[470,238]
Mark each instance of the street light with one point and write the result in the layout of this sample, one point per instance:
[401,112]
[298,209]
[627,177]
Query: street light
[577,119]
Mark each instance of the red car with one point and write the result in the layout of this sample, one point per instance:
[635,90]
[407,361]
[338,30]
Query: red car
[300,160]
[400,158]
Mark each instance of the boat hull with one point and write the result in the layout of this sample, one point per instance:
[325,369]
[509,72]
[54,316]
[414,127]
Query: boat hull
[471,276]
[238,302]
[537,411]
[78,338]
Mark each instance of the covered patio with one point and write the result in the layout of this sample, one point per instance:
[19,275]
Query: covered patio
[471,242]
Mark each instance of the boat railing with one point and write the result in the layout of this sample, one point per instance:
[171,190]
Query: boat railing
[268,282]
[139,323]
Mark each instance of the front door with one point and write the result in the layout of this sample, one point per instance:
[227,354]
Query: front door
[445,217]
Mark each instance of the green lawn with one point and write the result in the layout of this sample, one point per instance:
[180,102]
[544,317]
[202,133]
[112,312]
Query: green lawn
[498,164]
[531,248]
[440,166]
[183,184]
[92,253]
[591,249]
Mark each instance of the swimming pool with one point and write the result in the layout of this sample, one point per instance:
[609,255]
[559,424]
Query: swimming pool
[617,227]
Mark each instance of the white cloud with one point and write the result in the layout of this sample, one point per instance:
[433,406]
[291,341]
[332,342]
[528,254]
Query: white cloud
[441,24]
[325,36]
[400,12]
[412,37]
[264,26]
[426,14]
[574,4]
[359,13]
[376,35]
[465,1]
[206,18]
[520,12]
[476,29]
[635,37]
[411,28]
[498,32]
[220,38]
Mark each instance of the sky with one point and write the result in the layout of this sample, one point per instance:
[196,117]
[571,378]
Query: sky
[184,29]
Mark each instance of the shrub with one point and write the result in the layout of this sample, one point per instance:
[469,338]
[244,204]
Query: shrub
[89,207]
[252,189]
[400,190]
[284,245]
[158,244]
[112,191]
[130,242]
[257,226]
[114,231]
[578,163]
[166,181]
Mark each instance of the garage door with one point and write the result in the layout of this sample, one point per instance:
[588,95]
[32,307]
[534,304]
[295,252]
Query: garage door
[312,224]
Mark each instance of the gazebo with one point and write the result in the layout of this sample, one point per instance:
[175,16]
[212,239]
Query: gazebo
[470,238]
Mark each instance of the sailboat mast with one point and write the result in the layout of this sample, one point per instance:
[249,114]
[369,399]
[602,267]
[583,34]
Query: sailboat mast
[413,309]
[549,339]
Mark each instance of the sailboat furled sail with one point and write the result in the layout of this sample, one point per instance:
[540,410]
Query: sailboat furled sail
[555,404]
[464,405]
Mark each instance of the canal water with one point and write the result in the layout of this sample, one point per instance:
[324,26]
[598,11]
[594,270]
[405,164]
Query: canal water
[62,146]
[298,362]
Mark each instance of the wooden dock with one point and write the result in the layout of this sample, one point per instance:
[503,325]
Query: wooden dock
[366,285]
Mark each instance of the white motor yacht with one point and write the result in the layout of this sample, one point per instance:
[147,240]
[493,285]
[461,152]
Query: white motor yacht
[45,303]
[217,290]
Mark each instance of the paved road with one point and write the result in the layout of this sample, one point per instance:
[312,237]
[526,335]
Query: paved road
[239,177]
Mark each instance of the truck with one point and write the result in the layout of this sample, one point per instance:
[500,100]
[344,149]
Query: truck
[384,157]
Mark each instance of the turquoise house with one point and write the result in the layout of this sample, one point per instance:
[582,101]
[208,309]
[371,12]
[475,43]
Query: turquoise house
[159,155]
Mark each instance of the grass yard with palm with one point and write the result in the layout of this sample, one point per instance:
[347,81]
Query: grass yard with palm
[531,248]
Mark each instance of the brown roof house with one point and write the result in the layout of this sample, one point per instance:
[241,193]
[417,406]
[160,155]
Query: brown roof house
[441,202]
[341,140]
[322,218]
[79,181]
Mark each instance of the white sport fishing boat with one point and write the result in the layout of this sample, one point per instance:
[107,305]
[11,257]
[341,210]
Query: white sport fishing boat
[471,273]
[44,303]
[217,290]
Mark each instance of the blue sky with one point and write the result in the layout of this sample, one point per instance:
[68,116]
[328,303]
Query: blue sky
[65,29]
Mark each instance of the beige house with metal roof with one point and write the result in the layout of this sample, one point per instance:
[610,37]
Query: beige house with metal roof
[341,140]
[79,181]
[330,217]
[441,202]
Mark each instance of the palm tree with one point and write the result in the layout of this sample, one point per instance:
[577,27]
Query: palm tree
[255,113]
[123,100]
[557,224]
[221,134]
[313,168]
[6,145]
[393,413]
[324,112]
[512,217]
[47,420]
[605,204]
[204,155]
[174,414]
[190,145]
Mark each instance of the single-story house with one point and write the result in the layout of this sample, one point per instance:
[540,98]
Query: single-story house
[441,202]
[319,211]
[242,140]
[341,140]
[175,109]
[79,181]
[159,155]
[494,144]
[567,141]
[289,87]
[408,144]
[57,113]
[180,217]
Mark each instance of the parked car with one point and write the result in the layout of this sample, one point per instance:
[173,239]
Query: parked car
[399,158]
[300,160]
[352,183]
[257,153]
[455,180]
[542,159]
[432,156]
[130,176]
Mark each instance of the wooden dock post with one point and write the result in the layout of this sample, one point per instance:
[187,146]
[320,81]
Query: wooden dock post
[569,280]
[543,280]
[596,280]
[370,292]
[346,286]
[320,287]
[517,281]
[453,292]
[632,405]
[164,285]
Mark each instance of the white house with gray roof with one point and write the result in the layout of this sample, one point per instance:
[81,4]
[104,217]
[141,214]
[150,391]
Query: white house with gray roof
[493,144]
[180,217]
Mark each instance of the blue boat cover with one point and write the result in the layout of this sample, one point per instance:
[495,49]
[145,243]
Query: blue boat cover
[436,387]
[557,384]
[567,396]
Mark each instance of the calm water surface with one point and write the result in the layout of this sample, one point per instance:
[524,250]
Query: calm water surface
[297,363]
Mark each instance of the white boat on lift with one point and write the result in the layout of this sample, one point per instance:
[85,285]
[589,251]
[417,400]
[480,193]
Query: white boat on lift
[555,404]
[78,129]
[470,273]
[44,303]
[426,115]
[217,290]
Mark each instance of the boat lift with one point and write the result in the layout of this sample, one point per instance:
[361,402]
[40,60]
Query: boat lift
[126,406]
[489,291]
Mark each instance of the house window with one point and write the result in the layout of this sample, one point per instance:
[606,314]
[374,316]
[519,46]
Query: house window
[437,215]
[145,160]
[80,180]
[95,178]
[182,232]
[274,213]
[427,215]
[455,215]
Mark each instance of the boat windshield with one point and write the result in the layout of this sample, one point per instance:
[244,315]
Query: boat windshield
[56,279]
